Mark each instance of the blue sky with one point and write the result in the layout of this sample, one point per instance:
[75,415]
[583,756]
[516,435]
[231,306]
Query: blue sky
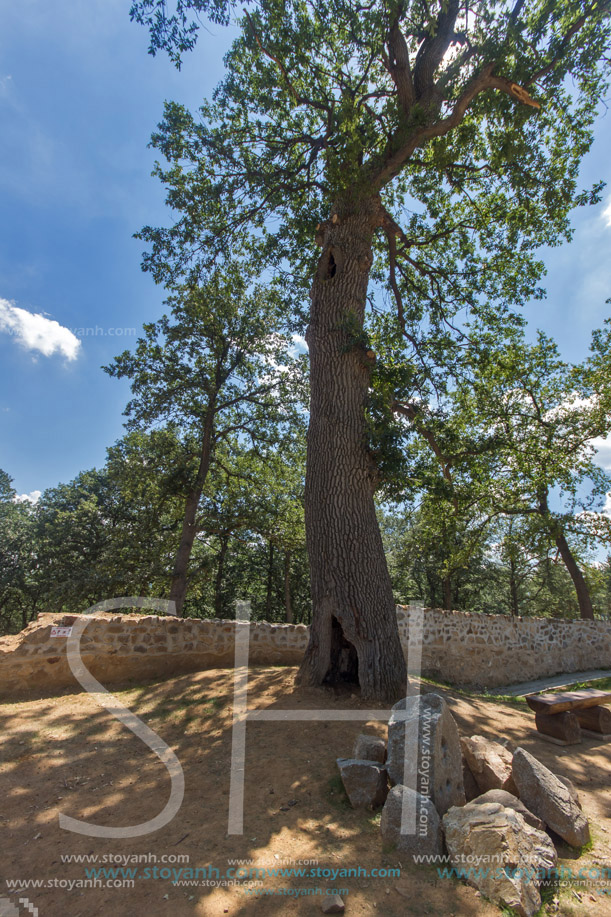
[79,98]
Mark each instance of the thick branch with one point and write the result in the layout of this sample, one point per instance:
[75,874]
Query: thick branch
[398,65]
[484,80]
[433,49]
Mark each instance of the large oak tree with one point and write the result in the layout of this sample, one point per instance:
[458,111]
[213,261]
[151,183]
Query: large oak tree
[428,145]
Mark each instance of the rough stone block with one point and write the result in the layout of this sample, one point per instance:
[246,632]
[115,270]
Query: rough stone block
[491,833]
[490,764]
[365,782]
[369,748]
[420,818]
[549,798]
[433,766]
[509,801]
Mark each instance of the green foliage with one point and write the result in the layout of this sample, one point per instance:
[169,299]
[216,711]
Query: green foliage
[318,111]
[16,557]
[463,132]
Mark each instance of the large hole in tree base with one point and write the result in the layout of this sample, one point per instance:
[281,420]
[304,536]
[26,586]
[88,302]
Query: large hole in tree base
[344,667]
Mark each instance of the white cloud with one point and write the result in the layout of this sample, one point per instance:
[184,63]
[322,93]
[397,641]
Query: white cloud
[602,444]
[34,331]
[606,214]
[300,345]
[32,497]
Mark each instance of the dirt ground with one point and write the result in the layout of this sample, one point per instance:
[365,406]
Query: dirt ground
[66,754]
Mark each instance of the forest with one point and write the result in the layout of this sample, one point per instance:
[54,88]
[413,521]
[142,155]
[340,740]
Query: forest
[343,406]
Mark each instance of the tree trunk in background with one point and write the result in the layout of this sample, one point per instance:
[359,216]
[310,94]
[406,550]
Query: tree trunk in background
[288,605]
[354,634]
[270,583]
[584,601]
[447,593]
[581,587]
[513,589]
[180,574]
[218,581]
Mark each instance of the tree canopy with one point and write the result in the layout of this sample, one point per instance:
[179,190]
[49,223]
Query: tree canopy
[429,149]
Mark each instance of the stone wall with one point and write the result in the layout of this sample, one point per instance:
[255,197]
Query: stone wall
[123,647]
[465,649]
[487,651]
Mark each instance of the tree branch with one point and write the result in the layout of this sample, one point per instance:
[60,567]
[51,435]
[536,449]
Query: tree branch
[399,68]
[301,100]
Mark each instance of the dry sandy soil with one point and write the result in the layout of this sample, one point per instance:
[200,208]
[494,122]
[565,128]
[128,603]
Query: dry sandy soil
[66,754]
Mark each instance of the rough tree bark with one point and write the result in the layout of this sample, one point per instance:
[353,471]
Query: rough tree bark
[513,589]
[354,634]
[220,571]
[447,593]
[270,583]
[288,604]
[180,573]
[584,600]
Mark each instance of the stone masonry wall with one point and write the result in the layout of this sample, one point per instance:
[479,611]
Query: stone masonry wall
[487,651]
[465,649]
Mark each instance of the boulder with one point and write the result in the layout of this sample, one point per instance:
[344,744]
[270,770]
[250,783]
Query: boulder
[422,834]
[571,788]
[472,791]
[504,853]
[369,748]
[549,798]
[365,782]
[490,764]
[433,766]
[509,801]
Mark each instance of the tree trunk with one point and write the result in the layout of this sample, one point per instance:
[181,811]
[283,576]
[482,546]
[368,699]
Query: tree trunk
[513,589]
[288,605]
[180,574]
[270,583]
[218,582]
[447,593]
[354,634]
[581,587]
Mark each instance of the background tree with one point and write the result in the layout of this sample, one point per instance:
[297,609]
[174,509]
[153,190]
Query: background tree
[509,438]
[220,370]
[17,558]
[435,145]
[110,531]
[545,414]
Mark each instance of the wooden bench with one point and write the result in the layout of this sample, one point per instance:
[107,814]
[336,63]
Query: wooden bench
[561,717]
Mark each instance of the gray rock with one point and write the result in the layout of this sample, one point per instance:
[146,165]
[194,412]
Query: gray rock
[548,798]
[365,782]
[369,748]
[572,790]
[423,834]
[333,904]
[505,852]
[471,788]
[433,766]
[490,764]
[509,801]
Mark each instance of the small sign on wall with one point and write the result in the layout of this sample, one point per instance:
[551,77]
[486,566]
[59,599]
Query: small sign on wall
[61,631]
